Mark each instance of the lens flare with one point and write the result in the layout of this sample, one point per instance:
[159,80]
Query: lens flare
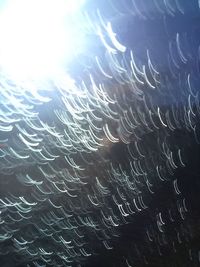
[37,37]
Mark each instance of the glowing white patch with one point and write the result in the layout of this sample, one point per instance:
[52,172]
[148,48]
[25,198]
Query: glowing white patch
[37,36]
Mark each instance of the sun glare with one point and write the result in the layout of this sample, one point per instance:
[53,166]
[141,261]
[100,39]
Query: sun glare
[37,36]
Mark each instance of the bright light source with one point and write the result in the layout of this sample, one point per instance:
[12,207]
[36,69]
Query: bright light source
[36,36]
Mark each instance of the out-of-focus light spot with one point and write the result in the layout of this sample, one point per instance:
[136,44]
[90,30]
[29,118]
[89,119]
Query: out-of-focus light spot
[37,36]
[74,5]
